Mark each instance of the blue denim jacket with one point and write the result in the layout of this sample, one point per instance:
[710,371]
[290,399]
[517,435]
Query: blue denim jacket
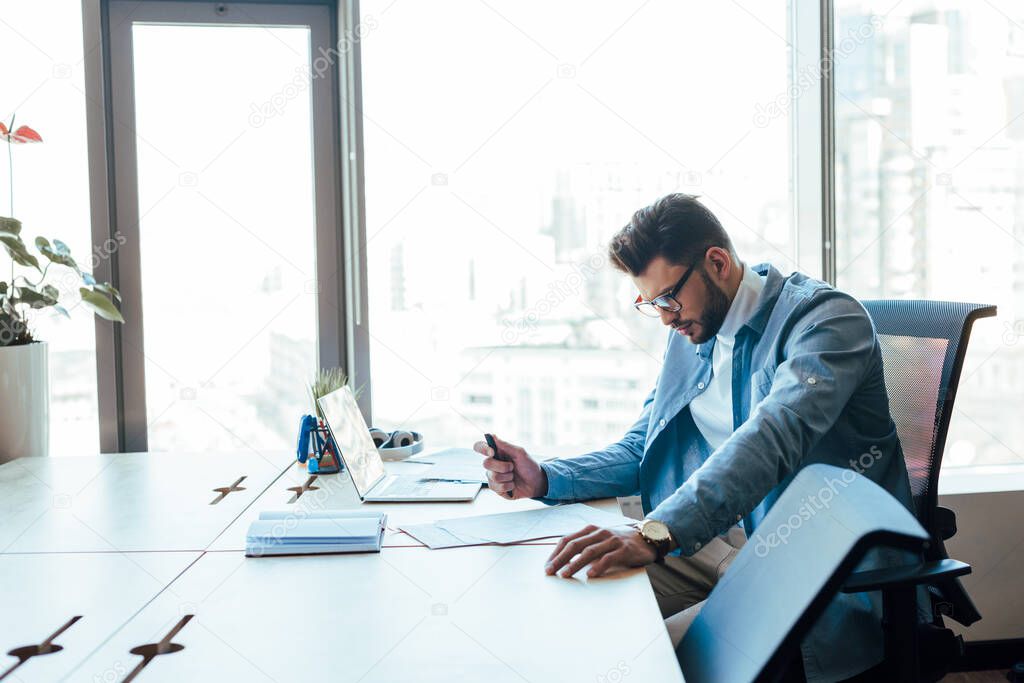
[807,387]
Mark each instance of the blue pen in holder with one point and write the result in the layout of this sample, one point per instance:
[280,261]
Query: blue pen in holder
[316,447]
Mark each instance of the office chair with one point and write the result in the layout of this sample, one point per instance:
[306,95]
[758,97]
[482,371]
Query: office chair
[923,347]
[791,571]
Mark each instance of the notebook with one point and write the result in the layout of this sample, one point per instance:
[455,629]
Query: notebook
[329,531]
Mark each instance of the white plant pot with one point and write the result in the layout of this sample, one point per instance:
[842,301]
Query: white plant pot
[24,401]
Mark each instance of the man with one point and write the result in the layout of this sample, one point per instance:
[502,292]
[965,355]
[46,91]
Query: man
[762,375]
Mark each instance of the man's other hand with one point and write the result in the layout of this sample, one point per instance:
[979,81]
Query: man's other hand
[603,549]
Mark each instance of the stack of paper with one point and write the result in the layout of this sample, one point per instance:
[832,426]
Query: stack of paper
[329,531]
[512,527]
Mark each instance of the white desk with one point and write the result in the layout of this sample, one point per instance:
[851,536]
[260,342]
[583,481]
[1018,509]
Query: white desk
[41,592]
[407,613]
[126,502]
[482,613]
[336,492]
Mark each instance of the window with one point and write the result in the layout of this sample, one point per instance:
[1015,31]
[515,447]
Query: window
[226,235]
[498,163]
[227,197]
[41,44]
[930,186]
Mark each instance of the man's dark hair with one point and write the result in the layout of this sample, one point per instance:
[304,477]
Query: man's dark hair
[677,227]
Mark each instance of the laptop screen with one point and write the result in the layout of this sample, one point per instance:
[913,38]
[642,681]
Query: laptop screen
[352,437]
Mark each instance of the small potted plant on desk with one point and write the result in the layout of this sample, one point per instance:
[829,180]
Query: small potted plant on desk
[24,366]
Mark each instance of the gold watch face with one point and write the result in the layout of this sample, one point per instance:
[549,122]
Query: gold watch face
[654,530]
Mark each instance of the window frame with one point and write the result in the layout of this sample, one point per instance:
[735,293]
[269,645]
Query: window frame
[811,134]
[110,115]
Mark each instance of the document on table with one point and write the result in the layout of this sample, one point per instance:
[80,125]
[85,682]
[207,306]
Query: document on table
[435,537]
[512,527]
[453,463]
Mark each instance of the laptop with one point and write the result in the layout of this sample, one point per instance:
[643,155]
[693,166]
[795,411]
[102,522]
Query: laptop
[366,467]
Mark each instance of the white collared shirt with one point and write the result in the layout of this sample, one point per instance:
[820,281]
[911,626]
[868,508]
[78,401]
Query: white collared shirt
[712,410]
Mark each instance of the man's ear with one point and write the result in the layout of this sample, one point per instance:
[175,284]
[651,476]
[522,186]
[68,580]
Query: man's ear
[718,263]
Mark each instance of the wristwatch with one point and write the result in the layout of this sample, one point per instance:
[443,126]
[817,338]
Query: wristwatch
[657,535]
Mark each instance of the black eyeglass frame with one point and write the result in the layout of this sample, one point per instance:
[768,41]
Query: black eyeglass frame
[668,301]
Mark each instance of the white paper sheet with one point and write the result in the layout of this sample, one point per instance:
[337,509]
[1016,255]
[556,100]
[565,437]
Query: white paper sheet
[527,525]
[435,537]
[512,527]
[453,463]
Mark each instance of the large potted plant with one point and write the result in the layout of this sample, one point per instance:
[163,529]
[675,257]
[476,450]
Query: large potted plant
[24,366]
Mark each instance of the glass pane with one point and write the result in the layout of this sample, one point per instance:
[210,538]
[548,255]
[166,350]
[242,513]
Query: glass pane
[41,44]
[226,233]
[930,184]
[499,161]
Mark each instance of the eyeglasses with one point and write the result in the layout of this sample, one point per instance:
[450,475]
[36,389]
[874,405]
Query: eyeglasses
[665,302]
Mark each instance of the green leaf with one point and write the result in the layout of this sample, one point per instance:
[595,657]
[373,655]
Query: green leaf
[10,225]
[58,253]
[108,288]
[51,291]
[27,295]
[100,305]
[16,249]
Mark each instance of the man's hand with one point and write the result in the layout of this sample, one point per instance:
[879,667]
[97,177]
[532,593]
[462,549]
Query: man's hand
[602,549]
[521,474]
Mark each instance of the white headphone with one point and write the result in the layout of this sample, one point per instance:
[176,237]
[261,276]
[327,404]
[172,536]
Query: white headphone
[396,445]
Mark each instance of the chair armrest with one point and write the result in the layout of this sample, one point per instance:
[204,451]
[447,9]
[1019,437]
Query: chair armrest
[911,575]
[943,523]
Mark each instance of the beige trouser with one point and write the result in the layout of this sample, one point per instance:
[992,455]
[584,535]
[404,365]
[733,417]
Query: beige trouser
[681,584]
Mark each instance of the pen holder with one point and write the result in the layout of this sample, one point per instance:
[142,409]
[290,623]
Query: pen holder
[316,447]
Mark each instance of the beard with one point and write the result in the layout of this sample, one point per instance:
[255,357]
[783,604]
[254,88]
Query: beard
[716,307]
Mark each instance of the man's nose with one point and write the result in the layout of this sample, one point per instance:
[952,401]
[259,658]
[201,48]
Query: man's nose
[667,317]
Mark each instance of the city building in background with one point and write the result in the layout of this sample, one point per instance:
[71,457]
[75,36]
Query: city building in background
[490,203]
[930,187]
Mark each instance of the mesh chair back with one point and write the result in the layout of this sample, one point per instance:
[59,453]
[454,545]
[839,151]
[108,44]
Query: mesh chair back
[923,345]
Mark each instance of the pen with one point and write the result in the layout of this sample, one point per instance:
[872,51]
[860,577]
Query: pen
[498,456]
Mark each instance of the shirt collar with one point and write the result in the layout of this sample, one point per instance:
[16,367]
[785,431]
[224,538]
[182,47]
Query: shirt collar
[769,294]
[743,304]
